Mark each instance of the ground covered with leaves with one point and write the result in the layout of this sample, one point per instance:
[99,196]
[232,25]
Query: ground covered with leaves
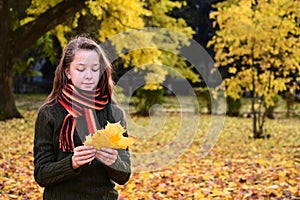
[238,167]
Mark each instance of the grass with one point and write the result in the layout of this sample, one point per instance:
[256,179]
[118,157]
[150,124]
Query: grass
[29,101]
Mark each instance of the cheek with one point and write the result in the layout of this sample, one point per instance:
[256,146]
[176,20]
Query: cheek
[75,77]
[97,76]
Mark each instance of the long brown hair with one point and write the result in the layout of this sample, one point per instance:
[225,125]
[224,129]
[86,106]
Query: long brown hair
[105,83]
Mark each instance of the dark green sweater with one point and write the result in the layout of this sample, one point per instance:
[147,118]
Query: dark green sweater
[53,167]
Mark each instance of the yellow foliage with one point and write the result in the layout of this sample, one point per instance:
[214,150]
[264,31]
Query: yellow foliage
[60,33]
[115,17]
[38,7]
[255,39]
[111,137]
[232,70]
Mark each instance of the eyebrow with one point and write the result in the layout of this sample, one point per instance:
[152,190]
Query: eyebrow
[82,64]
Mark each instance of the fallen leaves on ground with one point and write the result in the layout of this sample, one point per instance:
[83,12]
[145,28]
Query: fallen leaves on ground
[16,159]
[238,167]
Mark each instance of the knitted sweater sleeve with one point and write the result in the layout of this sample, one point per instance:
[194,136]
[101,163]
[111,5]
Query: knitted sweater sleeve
[47,169]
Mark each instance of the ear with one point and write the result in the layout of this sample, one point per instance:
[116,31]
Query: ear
[67,72]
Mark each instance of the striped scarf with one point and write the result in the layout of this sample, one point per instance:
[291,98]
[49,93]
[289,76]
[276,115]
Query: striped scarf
[79,103]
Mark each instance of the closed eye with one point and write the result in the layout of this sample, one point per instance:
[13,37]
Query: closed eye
[80,69]
[95,68]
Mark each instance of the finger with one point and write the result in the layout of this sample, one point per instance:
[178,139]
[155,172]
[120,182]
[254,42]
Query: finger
[82,162]
[81,159]
[89,147]
[78,161]
[105,154]
[109,150]
[83,152]
[88,160]
[84,157]
[106,160]
[102,158]
[83,148]
[106,157]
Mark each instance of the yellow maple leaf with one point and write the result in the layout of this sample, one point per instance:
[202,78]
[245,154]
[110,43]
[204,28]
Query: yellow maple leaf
[113,131]
[98,140]
[111,137]
[124,142]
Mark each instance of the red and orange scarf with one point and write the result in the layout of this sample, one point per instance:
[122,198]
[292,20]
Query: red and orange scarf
[79,103]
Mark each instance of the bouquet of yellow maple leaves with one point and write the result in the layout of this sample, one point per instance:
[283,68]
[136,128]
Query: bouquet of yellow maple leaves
[111,137]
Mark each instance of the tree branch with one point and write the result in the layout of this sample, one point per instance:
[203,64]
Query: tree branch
[26,35]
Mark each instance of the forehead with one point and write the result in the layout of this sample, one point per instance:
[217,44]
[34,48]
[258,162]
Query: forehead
[83,55]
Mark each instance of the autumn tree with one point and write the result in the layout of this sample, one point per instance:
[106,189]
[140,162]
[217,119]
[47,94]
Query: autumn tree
[258,41]
[167,44]
[61,18]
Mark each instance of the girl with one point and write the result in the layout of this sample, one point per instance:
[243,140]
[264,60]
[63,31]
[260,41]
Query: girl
[82,93]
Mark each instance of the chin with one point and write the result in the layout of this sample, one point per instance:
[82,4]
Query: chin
[88,88]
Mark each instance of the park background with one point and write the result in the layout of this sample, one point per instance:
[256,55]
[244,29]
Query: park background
[255,48]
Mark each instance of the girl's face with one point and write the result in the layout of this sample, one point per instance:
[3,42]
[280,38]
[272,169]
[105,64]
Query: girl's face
[84,70]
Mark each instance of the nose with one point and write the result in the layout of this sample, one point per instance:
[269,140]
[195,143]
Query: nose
[89,74]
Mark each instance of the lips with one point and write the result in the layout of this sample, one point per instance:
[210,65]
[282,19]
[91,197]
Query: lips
[87,84]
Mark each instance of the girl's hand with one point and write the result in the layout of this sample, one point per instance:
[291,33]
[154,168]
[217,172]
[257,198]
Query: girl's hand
[83,155]
[107,155]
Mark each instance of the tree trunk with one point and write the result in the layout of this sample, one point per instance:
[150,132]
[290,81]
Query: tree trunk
[258,120]
[256,133]
[257,129]
[13,43]
[289,104]
[256,113]
[8,108]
